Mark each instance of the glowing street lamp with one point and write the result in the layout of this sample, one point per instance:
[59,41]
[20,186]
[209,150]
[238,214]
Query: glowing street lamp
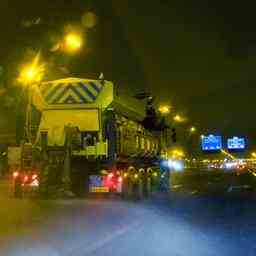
[192,129]
[253,154]
[178,119]
[177,153]
[29,75]
[73,42]
[164,109]
[32,72]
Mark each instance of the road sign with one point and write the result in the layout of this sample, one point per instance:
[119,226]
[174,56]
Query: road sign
[211,143]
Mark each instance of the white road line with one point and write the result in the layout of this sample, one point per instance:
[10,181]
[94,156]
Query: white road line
[86,249]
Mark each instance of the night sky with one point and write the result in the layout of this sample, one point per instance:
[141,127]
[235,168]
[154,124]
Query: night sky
[199,56]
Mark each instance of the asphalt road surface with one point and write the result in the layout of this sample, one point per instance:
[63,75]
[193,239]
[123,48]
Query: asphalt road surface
[180,226]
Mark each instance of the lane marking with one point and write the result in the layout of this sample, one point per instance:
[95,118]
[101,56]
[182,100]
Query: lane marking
[86,249]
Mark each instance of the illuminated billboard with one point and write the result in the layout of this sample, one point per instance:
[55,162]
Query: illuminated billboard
[211,143]
[236,143]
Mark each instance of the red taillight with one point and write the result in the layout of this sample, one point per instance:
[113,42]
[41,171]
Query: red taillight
[25,179]
[15,174]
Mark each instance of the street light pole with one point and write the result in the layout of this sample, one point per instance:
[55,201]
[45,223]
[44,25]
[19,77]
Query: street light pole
[30,75]
[28,120]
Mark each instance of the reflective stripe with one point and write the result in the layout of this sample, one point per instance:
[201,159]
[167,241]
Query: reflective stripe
[95,87]
[78,100]
[60,95]
[85,88]
[69,99]
[50,93]
[79,92]
[84,93]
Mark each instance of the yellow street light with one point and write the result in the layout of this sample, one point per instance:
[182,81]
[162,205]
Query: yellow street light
[164,109]
[192,129]
[179,119]
[73,42]
[253,154]
[32,72]
[177,153]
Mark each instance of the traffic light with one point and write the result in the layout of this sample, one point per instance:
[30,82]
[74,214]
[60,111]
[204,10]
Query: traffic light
[174,135]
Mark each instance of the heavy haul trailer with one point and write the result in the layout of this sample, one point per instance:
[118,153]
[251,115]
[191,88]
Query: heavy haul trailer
[92,139]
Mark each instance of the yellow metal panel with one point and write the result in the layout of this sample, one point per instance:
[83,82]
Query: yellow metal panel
[84,119]
[54,122]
